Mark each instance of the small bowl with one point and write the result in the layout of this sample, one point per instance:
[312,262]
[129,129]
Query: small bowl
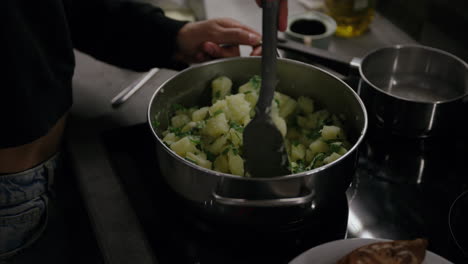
[312,28]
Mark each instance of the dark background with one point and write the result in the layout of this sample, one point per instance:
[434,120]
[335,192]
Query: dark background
[440,24]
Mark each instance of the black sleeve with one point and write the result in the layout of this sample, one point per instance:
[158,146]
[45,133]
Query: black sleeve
[124,33]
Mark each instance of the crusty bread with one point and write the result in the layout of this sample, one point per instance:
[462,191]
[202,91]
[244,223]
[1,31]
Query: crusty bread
[391,252]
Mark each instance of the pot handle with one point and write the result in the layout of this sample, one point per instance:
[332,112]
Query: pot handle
[265,202]
[345,65]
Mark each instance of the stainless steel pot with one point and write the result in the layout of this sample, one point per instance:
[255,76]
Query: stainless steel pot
[411,90]
[222,194]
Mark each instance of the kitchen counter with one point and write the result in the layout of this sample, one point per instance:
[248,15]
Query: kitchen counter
[117,230]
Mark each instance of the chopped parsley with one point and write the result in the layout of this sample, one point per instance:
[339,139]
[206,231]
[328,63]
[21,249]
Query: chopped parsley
[210,156]
[178,107]
[315,134]
[178,132]
[195,140]
[297,167]
[318,158]
[335,147]
[191,160]
[225,151]
[236,126]
[217,112]
[156,123]
[235,151]
[256,82]
[277,102]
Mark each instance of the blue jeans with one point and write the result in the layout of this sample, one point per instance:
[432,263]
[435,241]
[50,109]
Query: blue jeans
[23,206]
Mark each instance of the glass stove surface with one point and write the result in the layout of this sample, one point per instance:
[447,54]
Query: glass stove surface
[179,235]
[402,189]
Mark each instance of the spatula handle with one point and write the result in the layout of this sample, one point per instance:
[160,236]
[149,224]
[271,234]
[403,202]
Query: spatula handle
[269,38]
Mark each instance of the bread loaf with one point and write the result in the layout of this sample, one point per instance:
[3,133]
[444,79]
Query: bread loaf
[391,252]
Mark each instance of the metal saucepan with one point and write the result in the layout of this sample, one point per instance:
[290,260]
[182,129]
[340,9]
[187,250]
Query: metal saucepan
[412,90]
[224,194]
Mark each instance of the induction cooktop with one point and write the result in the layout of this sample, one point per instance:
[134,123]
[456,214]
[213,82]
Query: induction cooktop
[179,234]
[402,189]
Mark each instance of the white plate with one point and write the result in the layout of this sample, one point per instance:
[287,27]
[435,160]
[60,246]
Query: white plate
[331,252]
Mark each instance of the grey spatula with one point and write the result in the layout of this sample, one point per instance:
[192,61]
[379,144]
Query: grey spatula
[264,151]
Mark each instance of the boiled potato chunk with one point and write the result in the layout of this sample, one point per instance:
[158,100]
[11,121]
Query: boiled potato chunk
[220,106]
[334,156]
[252,98]
[297,152]
[318,146]
[218,145]
[221,164]
[199,160]
[236,164]
[305,104]
[280,124]
[220,88]
[170,138]
[235,137]
[179,120]
[253,85]
[331,132]
[182,146]
[216,126]
[287,105]
[200,114]
[309,156]
[305,122]
[189,126]
[238,107]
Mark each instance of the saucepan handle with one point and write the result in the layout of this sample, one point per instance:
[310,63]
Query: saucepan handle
[265,202]
[346,66]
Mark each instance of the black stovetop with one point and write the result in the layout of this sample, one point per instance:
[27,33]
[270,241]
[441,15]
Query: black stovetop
[178,234]
[402,189]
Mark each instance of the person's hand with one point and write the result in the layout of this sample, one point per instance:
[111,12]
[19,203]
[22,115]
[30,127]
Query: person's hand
[215,38]
[282,14]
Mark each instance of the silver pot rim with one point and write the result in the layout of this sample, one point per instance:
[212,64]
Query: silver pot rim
[408,46]
[276,178]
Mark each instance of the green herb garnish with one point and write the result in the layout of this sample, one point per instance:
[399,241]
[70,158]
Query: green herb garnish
[318,158]
[236,126]
[156,123]
[335,147]
[277,102]
[178,132]
[217,112]
[178,107]
[235,151]
[297,167]
[191,160]
[210,156]
[256,82]
[200,125]
[195,140]
[315,134]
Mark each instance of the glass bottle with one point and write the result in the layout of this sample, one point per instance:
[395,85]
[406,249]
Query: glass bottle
[352,16]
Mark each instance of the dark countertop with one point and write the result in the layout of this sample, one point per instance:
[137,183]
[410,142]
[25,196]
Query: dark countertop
[117,230]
